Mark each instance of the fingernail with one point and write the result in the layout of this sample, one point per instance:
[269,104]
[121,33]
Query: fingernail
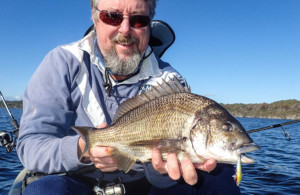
[109,150]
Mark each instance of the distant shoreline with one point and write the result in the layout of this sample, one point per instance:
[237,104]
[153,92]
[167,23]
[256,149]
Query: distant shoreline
[284,109]
[12,104]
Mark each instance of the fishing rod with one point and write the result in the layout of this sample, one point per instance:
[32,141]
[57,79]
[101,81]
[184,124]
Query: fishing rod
[13,120]
[287,136]
[6,137]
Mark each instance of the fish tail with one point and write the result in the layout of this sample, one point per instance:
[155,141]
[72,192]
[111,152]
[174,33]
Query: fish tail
[84,134]
[124,160]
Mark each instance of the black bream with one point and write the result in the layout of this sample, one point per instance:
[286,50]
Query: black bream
[173,119]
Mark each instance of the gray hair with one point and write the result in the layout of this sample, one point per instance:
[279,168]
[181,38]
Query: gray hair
[151,4]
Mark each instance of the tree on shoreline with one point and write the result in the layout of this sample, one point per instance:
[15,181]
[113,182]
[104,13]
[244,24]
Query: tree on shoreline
[12,104]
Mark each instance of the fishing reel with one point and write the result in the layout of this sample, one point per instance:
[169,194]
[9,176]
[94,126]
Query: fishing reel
[115,188]
[110,189]
[7,140]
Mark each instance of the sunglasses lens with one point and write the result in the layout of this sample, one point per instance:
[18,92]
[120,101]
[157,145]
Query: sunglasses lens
[111,18]
[115,19]
[138,21]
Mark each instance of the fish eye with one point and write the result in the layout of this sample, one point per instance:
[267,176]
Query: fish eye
[227,127]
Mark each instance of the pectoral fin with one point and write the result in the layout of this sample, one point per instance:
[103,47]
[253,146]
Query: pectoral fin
[124,161]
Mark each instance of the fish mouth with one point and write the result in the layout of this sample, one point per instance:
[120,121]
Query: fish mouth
[245,148]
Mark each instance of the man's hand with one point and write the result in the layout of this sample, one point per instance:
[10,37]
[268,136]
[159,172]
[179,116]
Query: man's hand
[186,168]
[99,155]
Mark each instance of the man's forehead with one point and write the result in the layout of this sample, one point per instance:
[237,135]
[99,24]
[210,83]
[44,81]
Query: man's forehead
[133,6]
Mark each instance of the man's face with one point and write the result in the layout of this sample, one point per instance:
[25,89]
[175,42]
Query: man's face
[123,39]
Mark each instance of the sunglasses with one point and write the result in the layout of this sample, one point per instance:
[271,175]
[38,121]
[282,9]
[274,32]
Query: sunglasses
[116,18]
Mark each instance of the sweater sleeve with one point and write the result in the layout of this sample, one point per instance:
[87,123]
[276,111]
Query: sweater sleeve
[46,142]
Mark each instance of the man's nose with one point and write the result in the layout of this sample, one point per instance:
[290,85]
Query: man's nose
[125,26]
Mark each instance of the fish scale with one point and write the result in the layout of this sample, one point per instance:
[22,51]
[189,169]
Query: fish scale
[148,122]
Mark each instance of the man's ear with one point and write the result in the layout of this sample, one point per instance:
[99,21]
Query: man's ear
[94,21]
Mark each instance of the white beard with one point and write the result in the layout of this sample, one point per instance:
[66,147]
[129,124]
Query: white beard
[122,67]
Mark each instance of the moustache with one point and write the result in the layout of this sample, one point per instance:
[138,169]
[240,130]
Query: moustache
[125,40]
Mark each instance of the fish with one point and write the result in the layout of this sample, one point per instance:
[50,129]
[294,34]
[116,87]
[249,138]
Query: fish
[171,118]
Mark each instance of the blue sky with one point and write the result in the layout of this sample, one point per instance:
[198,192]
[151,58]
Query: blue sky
[232,51]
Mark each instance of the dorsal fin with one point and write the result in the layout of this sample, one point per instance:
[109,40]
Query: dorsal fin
[169,87]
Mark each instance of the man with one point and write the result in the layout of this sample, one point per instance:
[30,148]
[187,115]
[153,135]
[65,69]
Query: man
[82,84]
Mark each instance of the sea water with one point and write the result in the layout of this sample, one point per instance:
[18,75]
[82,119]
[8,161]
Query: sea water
[275,171]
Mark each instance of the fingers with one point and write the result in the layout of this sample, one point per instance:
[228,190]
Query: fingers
[207,166]
[102,159]
[185,168]
[174,169]
[157,162]
[189,173]
[172,166]
[104,165]
[100,152]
